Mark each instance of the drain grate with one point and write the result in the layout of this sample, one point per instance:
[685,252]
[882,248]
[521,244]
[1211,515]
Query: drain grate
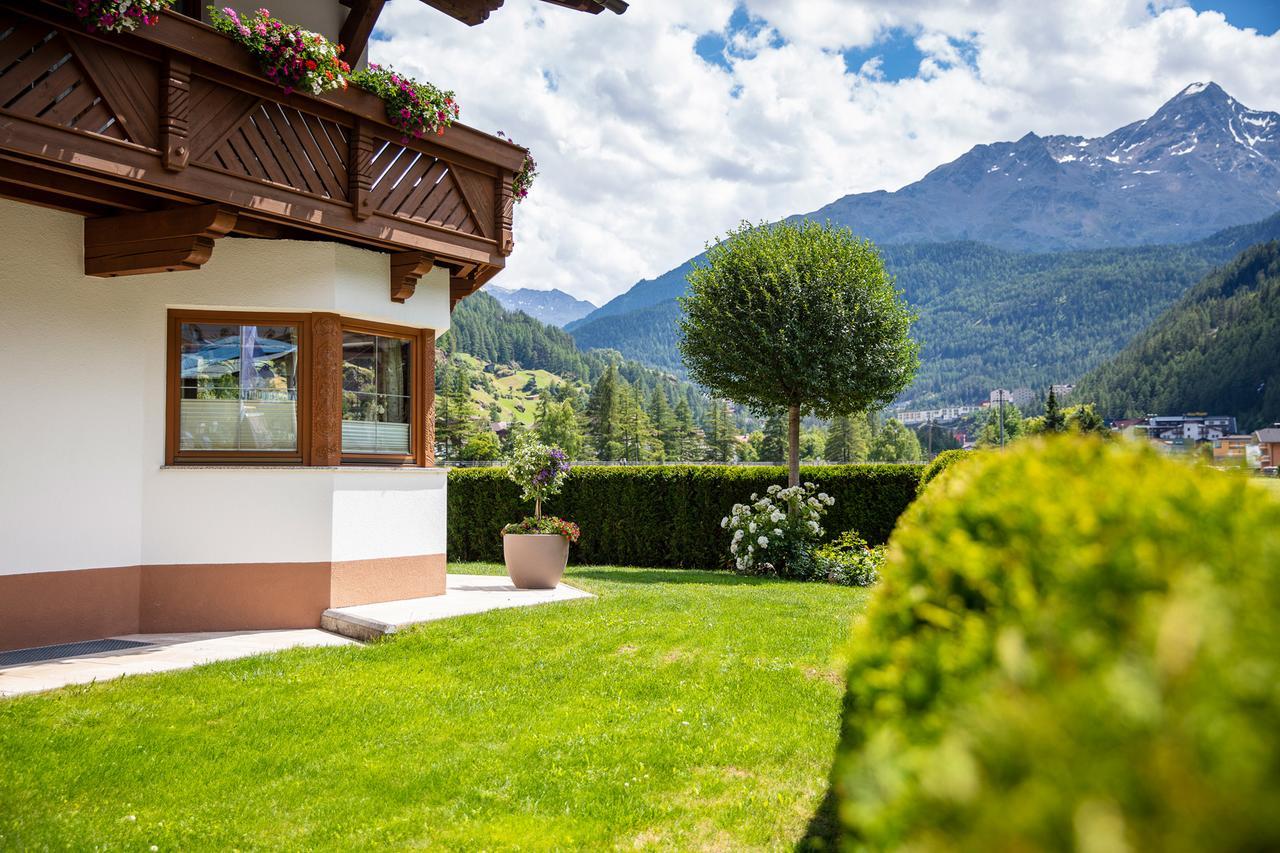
[66,650]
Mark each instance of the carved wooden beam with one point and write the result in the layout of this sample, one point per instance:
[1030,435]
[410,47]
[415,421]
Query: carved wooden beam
[468,282]
[406,269]
[175,113]
[326,390]
[156,241]
[504,210]
[427,452]
[358,26]
[470,12]
[360,170]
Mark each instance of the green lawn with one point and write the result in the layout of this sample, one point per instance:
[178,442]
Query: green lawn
[679,709]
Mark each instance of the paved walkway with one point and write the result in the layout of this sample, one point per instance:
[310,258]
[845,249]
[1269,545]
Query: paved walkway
[464,594]
[162,653]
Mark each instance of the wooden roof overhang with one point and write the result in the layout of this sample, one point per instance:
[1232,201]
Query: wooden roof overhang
[169,138]
[473,12]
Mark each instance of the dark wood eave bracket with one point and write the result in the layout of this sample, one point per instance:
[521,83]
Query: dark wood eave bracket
[127,235]
[157,241]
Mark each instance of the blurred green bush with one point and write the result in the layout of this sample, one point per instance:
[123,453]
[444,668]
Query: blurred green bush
[1074,646]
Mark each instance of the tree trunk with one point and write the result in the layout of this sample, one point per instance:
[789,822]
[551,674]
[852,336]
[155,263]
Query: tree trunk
[793,447]
[537,508]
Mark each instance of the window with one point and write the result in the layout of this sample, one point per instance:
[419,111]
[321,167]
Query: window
[377,403]
[297,389]
[239,388]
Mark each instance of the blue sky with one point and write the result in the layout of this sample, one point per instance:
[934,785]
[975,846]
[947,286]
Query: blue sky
[657,130]
[895,55]
[1261,15]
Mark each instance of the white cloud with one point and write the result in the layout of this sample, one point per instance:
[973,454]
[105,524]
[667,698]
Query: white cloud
[647,151]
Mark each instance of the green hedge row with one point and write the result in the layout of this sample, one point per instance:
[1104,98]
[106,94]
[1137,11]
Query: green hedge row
[665,515]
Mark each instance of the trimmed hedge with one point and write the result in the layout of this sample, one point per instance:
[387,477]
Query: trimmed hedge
[1074,647]
[666,515]
[940,463]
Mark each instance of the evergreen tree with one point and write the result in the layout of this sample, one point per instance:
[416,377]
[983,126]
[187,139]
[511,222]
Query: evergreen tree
[634,429]
[848,439]
[605,413]
[455,413]
[773,440]
[690,444]
[663,420]
[720,439]
[1054,419]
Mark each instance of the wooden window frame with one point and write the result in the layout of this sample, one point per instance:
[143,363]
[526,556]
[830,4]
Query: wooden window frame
[421,393]
[417,435]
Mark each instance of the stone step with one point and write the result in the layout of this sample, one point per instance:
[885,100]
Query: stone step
[464,594]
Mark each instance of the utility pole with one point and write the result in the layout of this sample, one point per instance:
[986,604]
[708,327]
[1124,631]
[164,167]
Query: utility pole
[1000,397]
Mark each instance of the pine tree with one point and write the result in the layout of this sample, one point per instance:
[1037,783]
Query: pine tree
[1054,419]
[634,430]
[773,444]
[602,413]
[719,431]
[690,446]
[455,412]
[848,439]
[663,420]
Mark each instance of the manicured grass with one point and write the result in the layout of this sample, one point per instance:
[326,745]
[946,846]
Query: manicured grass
[679,709]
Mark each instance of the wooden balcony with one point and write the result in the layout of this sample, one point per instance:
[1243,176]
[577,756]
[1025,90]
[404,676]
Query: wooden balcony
[178,116]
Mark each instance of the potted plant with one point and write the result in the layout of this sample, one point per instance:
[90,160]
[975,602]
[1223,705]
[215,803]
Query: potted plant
[537,549]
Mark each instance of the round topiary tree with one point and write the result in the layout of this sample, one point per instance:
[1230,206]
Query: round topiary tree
[1073,647]
[800,317]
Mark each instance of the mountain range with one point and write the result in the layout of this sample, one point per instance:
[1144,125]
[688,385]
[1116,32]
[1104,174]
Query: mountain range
[1216,350]
[550,306]
[1032,261]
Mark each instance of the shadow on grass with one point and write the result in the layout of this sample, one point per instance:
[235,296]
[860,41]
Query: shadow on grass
[823,831]
[648,576]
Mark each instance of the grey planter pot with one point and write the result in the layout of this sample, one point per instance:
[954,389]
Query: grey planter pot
[535,560]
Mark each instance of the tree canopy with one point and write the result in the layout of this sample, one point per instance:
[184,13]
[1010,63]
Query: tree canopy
[798,316]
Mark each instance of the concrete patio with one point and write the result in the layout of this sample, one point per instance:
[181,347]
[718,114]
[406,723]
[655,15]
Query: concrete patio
[465,594]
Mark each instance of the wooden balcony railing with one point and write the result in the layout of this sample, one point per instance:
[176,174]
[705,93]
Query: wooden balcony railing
[178,115]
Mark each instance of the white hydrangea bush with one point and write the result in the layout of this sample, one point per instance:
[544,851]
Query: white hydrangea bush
[775,534]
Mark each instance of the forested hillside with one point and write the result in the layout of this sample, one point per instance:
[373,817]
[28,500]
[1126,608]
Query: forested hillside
[1217,350]
[990,317]
[496,365]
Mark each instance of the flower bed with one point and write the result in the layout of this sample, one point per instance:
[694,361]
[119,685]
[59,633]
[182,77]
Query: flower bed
[291,57]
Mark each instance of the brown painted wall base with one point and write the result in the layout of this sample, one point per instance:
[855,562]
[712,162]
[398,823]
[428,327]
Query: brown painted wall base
[43,608]
[59,607]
